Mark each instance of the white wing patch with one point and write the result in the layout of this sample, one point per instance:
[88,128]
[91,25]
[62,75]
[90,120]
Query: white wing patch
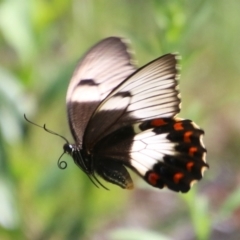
[141,169]
[149,148]
[116,102]
[86,94]
[141,162]
[144,135]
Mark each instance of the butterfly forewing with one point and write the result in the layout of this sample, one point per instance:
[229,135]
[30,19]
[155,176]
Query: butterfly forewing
[151,92]
[102,68]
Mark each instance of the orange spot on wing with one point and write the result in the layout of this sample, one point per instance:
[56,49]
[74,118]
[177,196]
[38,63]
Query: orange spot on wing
[178,126]
[158,122]
[177,177]
[153,178]
[189,166]
[192,150]
[186,137]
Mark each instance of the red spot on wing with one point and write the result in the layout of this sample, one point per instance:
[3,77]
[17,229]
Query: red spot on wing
[158,122]
[189,166]
[192,150]
[177,177]
[186,137]
[178,126]
[153,178]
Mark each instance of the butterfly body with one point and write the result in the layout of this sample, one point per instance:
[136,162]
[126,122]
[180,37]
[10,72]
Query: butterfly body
[122,117]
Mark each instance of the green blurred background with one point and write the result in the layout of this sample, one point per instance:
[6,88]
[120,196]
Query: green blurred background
[40,43]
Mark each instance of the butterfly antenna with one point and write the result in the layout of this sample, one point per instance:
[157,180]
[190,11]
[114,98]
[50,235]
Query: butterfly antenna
[54,133]
[31,121]
[46,129]
[62,164]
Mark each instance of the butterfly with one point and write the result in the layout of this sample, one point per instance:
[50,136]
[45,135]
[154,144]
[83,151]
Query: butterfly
[122,117]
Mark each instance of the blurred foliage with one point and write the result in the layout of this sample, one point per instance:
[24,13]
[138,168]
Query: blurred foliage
[40,43]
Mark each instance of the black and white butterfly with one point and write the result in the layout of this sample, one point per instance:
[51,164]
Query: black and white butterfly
[121,117]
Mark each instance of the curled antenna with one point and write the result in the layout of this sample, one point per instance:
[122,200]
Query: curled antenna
[61,164]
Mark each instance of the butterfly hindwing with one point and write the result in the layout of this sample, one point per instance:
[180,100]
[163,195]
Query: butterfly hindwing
[102,68]
[164,152]
[179,144]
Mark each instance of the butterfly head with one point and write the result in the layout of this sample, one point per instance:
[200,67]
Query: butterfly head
[82,160]
[79,157]
[68,148]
